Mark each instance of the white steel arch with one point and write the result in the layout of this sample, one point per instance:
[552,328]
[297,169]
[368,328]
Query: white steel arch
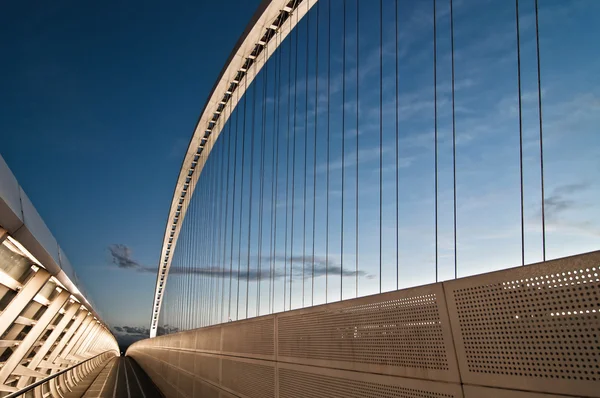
[267,29]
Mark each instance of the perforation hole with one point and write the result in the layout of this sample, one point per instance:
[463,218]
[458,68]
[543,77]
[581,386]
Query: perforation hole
[296,384]
[252,380]
[254,337]
[545,326]
[405,332]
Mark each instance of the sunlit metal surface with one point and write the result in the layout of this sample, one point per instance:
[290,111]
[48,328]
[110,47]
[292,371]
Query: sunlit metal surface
[47,324]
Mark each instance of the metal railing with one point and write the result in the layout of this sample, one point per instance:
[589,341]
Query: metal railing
[60,383]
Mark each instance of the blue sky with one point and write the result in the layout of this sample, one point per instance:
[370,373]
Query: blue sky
[107,96]
[98,104]
[487,158]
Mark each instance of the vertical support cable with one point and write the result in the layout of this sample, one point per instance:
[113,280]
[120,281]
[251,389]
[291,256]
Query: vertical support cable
[294,136]
[216,228]
[356,240]
[203,237]
[520,132]
[343,152]
[276,134]
[222,222]
[184,264]
[215,268]
[181,262]
[250,206]
[397,154]
[312,299]
[186,273]
[287,161]
[305,152]
[221,263]
[235,157]
[237,117]
[453,137]
[189,231]
[201,222]
[206,208]
[328,149]
[380,143]
[435,133]
[262,179]
[273,183]
[183,268]
[212,213]
[237,312]
[539,83]
[211,216]
[225,219]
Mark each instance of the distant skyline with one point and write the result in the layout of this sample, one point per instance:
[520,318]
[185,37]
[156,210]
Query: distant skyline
[100,101]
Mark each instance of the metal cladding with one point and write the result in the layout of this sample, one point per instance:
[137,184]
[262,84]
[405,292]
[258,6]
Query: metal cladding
[526,332]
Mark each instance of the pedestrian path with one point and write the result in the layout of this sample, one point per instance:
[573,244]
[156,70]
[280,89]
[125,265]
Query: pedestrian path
[121,377]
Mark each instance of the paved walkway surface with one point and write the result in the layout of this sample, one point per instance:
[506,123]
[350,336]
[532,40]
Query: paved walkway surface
[121,377]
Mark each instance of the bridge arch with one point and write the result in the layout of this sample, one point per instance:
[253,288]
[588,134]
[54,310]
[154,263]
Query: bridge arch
[267,29]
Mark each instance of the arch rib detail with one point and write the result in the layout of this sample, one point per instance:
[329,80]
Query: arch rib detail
[267,24]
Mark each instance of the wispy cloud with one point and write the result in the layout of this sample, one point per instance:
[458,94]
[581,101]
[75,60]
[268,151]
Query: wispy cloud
[132,330]
[562,200]
[275,267]
[349,160]
[562,208]
[121,256]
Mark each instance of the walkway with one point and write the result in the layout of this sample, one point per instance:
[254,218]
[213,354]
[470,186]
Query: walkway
[122,377]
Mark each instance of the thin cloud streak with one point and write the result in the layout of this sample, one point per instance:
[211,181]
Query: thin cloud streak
[121,256]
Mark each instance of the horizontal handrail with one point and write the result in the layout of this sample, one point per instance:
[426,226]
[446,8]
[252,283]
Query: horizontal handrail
[50,377]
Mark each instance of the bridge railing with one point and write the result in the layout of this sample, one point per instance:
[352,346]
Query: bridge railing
[62,383]
[522,332]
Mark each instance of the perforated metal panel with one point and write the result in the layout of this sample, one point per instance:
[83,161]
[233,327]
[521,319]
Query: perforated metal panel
[225,394]
[173,357]
[185,384]
[186,361]
[172,375]
[532,328]
[188,339]
[309,382]
[208,339]
[249,378]
[487,392]
[204,390]
[522,333]
[208,367]
[173,340]
[252,338]
[404,333]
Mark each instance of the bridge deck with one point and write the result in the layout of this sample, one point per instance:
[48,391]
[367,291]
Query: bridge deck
[121,377]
